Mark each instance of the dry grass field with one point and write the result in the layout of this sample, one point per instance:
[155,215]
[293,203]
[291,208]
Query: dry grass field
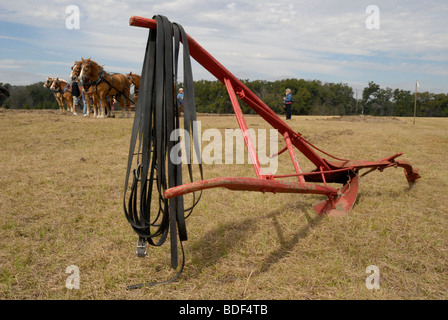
[61,188]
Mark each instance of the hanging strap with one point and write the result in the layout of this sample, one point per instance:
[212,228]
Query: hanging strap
[150,215]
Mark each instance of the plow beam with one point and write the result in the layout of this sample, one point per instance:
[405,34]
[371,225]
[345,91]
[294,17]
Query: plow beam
[339,202]
[251,184]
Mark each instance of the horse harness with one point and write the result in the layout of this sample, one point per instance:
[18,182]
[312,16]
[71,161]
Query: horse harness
[150,172]
[59,90]
[102,78]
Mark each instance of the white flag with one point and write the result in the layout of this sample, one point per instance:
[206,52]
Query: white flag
[418,84]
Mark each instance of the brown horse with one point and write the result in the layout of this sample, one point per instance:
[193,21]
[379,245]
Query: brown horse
[57,95]
[89,90]
[106,85]
[134,79]
[58,85]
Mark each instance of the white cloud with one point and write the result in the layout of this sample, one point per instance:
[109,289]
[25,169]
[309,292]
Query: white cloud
[10,64]
[260,39]
[36,13]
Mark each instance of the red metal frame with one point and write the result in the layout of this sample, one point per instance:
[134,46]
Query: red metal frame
[339,202]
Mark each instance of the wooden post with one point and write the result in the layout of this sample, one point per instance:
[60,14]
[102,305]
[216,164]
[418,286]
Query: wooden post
[415,103]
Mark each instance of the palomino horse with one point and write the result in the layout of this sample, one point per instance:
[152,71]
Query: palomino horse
[58,85]
[57,95]
[89,91]
[106,85]
[134,79]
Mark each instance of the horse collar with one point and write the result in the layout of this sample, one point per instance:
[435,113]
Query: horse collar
[100,77]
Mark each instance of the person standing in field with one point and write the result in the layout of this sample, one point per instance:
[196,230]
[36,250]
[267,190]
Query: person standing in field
[287,100]
[75,93]
[180,101]
[84,102]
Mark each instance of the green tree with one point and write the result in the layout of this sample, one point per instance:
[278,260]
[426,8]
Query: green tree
[33,96]
[404,103]
[4,97]
[301,104]
[369,97]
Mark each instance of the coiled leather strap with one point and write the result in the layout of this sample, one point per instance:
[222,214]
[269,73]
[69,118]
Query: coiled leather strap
[152,216]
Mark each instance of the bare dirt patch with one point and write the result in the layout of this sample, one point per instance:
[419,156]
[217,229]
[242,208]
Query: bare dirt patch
[367,119]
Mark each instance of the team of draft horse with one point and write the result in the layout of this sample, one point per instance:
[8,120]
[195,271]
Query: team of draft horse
[100,87]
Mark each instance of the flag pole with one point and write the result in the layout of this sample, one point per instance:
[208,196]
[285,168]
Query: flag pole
[415,103]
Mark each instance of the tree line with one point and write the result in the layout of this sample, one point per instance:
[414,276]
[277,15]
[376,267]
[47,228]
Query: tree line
[33,96]
[311,97]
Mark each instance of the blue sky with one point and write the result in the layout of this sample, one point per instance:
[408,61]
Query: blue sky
[325,40]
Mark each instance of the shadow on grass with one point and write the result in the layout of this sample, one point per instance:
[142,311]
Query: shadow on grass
[287,246]
[217,243]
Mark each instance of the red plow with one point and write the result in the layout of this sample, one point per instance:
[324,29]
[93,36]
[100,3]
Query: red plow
[155,206]
[343,171]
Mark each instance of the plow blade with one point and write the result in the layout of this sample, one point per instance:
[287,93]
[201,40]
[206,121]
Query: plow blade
[343,203]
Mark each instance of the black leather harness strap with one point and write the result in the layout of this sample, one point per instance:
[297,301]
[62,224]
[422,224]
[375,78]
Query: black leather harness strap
[102,78]
[150,215]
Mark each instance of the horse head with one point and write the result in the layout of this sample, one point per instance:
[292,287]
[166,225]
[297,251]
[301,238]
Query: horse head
[48,82]
[130,78]
[55,85]
[86,71]
[133,79]
[76,70]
